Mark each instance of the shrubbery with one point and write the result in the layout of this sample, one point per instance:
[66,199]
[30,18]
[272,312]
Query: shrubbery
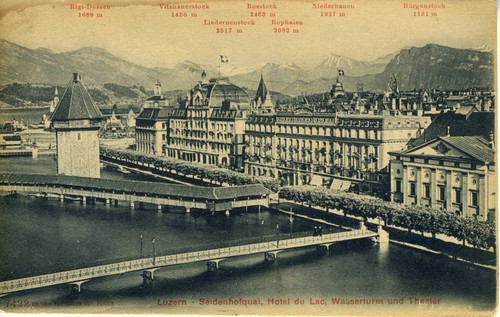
[422,219]
[121,91]
[217,174]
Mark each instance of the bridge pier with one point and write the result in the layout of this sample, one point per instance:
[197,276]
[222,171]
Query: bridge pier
[324,247]
[76,287]
[132,204]
[116,202]
[213,265]
[148,276]
[61,198]
[84,200]
[227,213]
[108,201]
[159,208]
[271,256]
[383,236]
[188,210]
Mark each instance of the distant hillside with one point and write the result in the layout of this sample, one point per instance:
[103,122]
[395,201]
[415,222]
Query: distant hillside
[96,65]
[103,95]
[351,67]
[431,66]
[276,76]
[441,67]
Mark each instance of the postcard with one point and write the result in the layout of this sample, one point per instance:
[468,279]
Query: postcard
[260,157]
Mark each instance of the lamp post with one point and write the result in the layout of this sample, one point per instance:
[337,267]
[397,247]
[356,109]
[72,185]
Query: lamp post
[277,235]
[154,254]
[141,244]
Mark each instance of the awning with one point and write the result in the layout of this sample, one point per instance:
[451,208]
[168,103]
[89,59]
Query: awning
[345,185]
[336,184]
[339,184]
[316,180]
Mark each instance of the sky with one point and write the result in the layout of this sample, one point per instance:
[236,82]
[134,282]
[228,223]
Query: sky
[145,34]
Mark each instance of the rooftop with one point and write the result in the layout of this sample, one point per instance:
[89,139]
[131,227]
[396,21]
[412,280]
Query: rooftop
[155,113]
[140,187]
[76,103]
[476,147]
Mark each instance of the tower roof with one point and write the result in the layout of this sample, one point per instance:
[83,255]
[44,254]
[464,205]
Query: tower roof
[261,90]
[76,103]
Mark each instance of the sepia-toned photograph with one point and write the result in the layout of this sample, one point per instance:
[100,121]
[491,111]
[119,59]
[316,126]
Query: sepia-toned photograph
[260,157]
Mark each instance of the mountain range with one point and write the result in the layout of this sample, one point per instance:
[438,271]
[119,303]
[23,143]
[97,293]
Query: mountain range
[431,66]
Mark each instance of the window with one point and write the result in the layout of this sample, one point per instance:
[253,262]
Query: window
[427,191]
[473,198]
[458,195]
[163,137]
[413,189]
[79,136]
[442,193]
[398,186]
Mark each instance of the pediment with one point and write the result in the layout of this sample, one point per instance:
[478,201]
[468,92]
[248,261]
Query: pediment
[439,148]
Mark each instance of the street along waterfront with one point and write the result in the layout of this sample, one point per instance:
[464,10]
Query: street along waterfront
[39,235]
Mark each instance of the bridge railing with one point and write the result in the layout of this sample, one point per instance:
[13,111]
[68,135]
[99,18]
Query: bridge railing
[148,263]
[163,250]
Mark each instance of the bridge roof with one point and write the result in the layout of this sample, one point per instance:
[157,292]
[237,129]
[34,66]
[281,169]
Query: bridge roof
[149,188]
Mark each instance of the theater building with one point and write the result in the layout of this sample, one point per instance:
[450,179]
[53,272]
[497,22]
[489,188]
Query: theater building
[455,173]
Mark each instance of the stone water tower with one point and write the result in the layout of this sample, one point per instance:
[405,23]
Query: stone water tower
[76,121]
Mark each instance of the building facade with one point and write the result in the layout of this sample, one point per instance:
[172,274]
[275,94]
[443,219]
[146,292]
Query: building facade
[77,120]
[151,130]
[327,149]
[209,128]
[454,173]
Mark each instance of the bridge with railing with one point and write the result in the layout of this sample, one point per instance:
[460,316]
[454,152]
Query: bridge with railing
[211,199]
[269,246]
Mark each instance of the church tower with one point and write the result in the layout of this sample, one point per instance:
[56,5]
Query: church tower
[262,98]
[55,101]
[76,121]
[157,88]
